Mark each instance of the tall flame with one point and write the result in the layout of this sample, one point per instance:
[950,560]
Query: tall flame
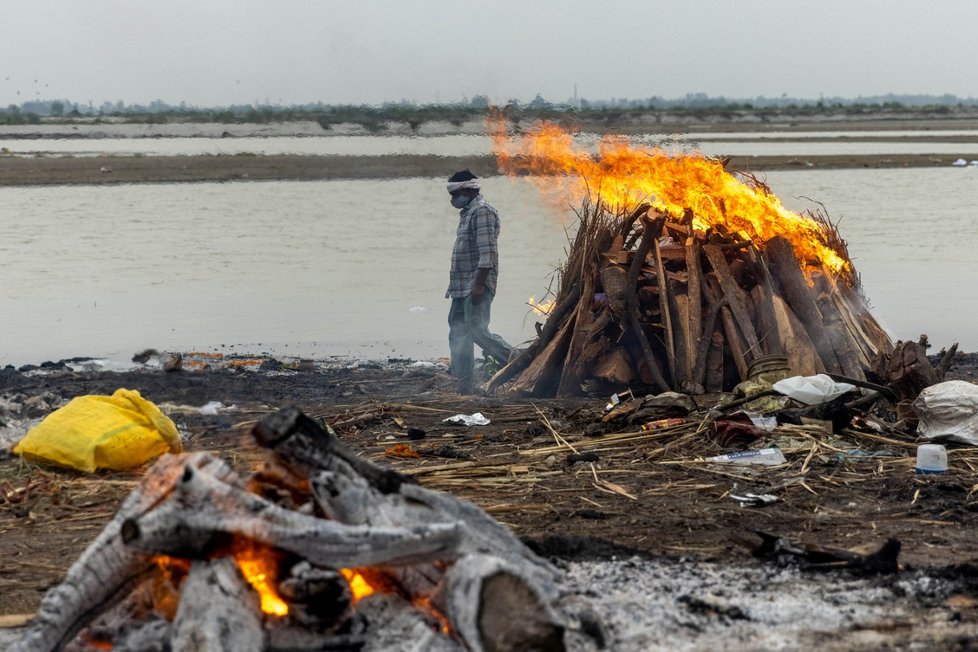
[623,176]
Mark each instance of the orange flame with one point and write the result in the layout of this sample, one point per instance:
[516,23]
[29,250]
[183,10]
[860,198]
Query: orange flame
[543,308]
[259,566]
[359,586]
[623,176]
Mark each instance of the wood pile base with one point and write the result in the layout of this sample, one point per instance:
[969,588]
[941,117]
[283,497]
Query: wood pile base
[647,301]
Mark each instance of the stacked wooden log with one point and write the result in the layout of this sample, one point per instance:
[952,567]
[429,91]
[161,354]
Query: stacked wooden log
[647,300]
[166,572]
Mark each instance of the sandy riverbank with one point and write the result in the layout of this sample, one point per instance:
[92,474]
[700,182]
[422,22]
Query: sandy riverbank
[24,171]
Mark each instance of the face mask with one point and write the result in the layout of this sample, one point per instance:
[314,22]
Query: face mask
[460,201]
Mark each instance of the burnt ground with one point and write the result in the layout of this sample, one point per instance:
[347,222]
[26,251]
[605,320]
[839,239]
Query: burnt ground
[646,493]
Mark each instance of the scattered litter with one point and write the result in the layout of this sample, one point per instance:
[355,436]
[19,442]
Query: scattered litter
[812,390]
[114,432]
[949,411]
[661,424]
[765,456]
[960,163]
[422,364]
[403,451]
[764,422]
[931,458]
[754,500]
[733,431]
[213,408]
[476,419]
[618,398]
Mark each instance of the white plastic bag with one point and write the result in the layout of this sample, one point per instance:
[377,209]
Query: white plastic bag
[949,411]
[812,390]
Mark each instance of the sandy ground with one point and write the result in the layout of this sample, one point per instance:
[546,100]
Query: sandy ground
[854,493]
[18,171]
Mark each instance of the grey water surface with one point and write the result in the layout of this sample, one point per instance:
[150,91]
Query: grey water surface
[360,267]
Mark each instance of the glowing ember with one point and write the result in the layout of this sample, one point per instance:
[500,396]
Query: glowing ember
[259,566]
[623,176]
[164,585]
[359,586]
[544,308]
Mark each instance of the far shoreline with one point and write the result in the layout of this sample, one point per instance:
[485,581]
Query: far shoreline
[105,170]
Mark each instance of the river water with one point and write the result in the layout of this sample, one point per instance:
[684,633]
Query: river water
[359,267]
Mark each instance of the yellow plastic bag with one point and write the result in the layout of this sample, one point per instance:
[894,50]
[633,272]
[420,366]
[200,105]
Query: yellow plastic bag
[101,432]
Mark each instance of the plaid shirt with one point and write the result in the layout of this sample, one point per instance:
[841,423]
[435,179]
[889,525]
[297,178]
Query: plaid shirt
[475,247]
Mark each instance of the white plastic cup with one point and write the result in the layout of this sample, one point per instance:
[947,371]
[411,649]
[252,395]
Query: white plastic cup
[931,458]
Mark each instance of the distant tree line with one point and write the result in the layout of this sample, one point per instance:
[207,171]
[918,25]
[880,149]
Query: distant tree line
[377,116]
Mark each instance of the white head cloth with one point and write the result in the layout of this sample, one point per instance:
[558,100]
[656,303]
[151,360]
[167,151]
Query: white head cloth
[462,185]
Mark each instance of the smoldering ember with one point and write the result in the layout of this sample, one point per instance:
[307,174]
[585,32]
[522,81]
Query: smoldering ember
[710,443]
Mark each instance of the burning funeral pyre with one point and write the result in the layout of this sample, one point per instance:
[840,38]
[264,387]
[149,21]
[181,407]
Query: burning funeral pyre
[318,549]
[682,277]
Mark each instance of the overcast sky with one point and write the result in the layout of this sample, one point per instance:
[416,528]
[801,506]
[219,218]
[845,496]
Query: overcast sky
[213,52]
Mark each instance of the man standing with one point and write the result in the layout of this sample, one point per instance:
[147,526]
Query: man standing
[472,280]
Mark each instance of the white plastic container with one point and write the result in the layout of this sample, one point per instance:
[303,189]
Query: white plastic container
[931,458]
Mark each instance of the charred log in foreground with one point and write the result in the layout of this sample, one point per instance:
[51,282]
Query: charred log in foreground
[450,576]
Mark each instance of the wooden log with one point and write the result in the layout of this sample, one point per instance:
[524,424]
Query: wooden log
[879,342]
[846,349]
[203,510]
[651,231]
[550,329]
[615,368]
[542,375]
[766,324]
[732,335]
[666,305]
[787,273]
[732,338]
[218,610]
[695,331]
[570,370]
[683,335]
[104,573]
[870,338]
[714,363]
[768,332]
[494,610]
[909,371]
[318,598]
[349,496]
[705,342]
[640,211]
[803,359]
[736,302]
